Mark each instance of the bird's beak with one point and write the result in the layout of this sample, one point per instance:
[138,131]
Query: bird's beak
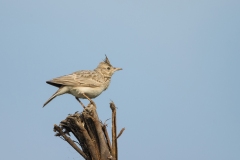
[117,69]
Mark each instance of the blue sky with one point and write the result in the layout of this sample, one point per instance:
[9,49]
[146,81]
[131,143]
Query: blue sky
[178,92]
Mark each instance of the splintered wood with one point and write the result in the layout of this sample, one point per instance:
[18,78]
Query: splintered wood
[93,142]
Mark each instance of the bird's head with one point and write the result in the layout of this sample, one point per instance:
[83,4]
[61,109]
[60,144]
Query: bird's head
[106,68]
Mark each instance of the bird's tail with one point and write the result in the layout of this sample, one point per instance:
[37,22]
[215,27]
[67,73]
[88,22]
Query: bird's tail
[59,92]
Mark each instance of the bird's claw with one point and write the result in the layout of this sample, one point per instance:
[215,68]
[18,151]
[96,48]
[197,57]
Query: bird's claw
[80,102]
[91,101]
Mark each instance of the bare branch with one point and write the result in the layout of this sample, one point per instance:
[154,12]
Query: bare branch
[57,128]
[101,136]
[114,132]
[120,133]
[92,136]
[104,128]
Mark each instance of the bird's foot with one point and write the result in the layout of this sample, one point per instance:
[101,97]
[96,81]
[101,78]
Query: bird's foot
[91,101]
[80,102]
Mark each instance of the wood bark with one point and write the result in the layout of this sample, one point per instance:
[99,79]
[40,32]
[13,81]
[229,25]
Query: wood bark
[93,142]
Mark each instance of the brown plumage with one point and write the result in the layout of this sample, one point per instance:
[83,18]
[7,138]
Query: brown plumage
[85,82]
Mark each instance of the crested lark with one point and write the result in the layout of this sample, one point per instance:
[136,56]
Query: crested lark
[85,83]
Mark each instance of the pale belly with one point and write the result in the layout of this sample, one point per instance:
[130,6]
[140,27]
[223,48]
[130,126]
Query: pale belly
[90,92]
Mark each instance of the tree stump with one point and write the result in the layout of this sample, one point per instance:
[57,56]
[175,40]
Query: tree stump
[93,142]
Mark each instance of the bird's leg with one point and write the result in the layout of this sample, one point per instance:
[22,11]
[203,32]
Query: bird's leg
[80,102]
[91,101]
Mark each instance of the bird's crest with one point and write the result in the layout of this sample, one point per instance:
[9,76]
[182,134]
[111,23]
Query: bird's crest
[107,60]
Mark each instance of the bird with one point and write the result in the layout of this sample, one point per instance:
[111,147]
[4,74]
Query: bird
[84,84]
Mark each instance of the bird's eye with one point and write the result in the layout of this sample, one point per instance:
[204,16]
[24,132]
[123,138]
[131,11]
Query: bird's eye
[108,68]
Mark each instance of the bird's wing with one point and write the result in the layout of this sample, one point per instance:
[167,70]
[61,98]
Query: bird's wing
[79,78]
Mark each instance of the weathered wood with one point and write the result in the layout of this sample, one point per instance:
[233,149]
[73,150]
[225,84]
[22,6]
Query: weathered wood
[90,133]
[120,133]
[104,151]
[57,128]
[104,127]
[114,132]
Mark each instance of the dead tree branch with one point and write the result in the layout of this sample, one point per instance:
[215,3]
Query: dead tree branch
[92,136]
[114,132]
